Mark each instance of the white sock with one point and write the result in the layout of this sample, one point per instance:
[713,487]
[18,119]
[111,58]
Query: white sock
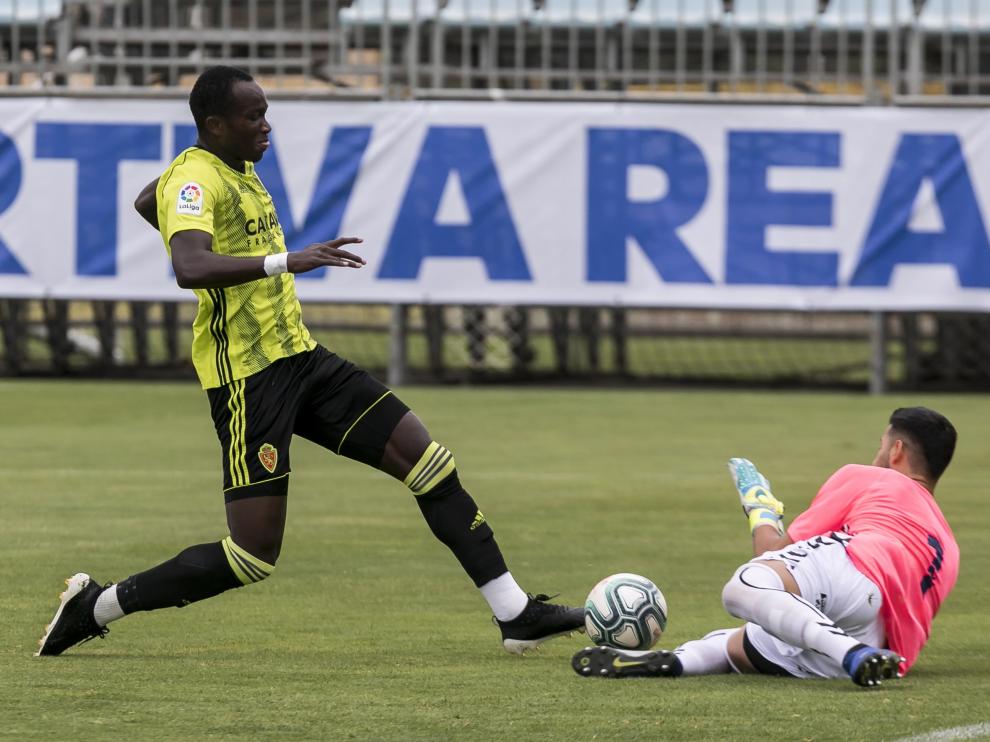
[706,656]
[107,607]
[506,598]
[756,593]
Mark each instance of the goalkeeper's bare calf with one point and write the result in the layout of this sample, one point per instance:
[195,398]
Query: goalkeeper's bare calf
[849,589]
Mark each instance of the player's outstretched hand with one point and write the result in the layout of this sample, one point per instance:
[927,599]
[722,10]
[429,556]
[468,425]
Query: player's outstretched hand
[759,504]
[329,253]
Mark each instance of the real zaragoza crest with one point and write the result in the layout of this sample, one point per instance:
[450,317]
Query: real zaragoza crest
[268,456]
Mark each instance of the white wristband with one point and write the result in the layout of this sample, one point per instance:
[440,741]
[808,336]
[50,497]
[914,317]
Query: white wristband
[275,264]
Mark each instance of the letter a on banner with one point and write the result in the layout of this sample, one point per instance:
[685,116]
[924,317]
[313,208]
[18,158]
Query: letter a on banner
[963,241]
[490,235]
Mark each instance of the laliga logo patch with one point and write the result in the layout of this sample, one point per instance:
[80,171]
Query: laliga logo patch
[190,200]
[268,456]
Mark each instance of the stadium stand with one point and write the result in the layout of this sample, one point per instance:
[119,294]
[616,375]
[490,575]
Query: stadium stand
[813,52]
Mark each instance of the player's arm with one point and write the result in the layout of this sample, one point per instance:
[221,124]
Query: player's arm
[764,512]
[146,205]
[196,266]
[766,538]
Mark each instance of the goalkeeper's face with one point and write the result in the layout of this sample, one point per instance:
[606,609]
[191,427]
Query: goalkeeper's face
[883,455]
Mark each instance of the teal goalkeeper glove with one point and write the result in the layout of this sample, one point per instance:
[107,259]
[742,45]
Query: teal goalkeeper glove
[759,504]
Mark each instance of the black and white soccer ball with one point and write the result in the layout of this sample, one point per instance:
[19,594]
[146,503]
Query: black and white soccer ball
[626,611]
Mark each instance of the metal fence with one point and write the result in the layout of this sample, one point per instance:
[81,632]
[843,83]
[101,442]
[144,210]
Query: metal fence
[867,51]
[863,52]
[480,344]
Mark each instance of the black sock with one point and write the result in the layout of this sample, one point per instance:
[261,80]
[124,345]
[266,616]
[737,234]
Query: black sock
[455,519]
[196,573]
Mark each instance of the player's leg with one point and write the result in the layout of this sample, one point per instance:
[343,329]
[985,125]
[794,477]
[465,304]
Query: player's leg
[751,650]
[430,472]
[196,573]
[708,655]
[255,489]
[244,557]
[354,415]
[257,524]
[757,592]
[253,419]
[771,594]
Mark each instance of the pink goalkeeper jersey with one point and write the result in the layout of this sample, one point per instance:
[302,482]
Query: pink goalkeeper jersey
[900,541]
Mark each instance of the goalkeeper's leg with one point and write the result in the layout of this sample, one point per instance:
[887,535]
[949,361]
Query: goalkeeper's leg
[840,632]
[708,655]
[763,592]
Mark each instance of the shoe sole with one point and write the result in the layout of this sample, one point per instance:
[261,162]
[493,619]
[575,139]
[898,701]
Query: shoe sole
[75,585]
[875,670]
[605,662]
[521,646]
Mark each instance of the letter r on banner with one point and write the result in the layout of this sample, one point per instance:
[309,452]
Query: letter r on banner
[97,149]
[613,216]
[10,185]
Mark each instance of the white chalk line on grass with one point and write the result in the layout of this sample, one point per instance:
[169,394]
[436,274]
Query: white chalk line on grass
[973,731]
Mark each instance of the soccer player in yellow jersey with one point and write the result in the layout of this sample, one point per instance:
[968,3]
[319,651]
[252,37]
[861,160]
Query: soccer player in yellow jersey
[268,380]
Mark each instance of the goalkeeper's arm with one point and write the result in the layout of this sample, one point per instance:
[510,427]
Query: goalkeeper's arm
[768,538]
[764,511]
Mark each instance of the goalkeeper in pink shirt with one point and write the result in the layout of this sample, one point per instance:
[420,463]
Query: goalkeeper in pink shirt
[850,589]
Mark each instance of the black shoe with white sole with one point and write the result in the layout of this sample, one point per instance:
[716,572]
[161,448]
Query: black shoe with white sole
[608,662]
[73,622]
[539,621]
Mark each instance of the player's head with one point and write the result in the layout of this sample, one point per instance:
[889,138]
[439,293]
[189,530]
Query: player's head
[229,109]
[917,439]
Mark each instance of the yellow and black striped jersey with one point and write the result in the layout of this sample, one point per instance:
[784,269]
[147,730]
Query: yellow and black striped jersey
[241,329]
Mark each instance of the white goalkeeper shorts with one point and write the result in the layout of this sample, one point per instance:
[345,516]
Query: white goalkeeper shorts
[829,581]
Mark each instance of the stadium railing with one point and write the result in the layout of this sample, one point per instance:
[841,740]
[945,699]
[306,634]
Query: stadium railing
[863,52]
[866,51]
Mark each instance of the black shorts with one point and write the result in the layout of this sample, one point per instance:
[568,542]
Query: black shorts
[316,395]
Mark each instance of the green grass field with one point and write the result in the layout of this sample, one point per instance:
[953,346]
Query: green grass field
[369,630]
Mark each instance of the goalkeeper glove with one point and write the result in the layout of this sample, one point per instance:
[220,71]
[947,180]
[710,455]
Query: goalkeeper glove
[759,504]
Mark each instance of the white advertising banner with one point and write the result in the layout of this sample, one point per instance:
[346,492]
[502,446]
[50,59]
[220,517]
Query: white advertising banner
[533,203]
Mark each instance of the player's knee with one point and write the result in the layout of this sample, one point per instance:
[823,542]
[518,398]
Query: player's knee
[247,567]
[434,466]
[746,585]
[732,594]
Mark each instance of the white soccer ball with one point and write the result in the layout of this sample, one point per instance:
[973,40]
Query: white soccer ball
[626,611]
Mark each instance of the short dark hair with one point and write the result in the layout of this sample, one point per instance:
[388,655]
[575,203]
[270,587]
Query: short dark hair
[210,95]
[931,432]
